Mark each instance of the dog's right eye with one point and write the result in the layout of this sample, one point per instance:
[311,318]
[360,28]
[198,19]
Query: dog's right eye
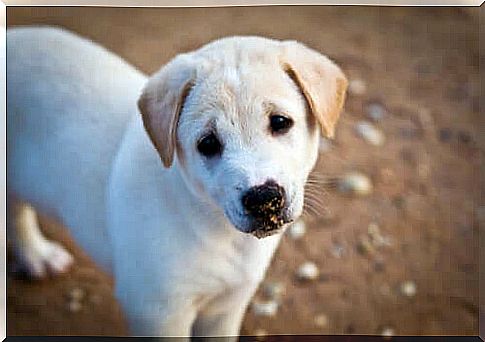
[209,146]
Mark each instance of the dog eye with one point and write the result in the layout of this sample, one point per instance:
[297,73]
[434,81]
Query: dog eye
[209,145]
[280,124]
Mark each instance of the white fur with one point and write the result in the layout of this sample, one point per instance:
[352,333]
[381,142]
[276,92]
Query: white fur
[77,148]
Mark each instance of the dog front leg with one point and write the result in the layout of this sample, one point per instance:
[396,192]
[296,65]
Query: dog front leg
[172,317]
[223,315]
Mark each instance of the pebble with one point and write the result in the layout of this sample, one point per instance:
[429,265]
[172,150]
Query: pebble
[371,134]
[379,266]
[464,137]
[325,145]
[387,175]
[365,247]
[355,183]
[375,234]
[260,334]
[357,87]
[387,332]
[337,251]
[373,229]
[273,290]
[321,320]
[297,230]
[426,120]
[268,308]
[308,271]
[408,288]
[445,134]
[375,111]
[377,239]
[74,306]
[77,294]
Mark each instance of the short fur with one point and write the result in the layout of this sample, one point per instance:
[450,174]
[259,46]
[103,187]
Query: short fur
[175,236]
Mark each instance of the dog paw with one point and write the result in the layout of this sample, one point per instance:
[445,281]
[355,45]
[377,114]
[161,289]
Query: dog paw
[43,258]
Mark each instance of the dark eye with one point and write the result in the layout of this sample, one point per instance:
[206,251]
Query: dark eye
[209,145]
[280,124]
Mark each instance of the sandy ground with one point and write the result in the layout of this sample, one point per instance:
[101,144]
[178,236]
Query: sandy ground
[421,66]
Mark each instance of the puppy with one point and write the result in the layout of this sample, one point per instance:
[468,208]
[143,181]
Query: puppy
[181,192]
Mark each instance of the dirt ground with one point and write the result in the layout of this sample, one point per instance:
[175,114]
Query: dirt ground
[421,65]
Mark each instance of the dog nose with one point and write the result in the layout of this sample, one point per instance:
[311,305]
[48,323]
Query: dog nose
[264,200]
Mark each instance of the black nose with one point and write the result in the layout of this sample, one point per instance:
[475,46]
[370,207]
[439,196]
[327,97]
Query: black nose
[264,200]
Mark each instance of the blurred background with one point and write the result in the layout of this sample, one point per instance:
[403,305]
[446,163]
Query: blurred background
[390,244]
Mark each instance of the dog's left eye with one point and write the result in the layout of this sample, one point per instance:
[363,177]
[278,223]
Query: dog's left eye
[280,124]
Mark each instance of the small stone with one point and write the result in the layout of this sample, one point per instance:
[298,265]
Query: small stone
[426,120]
[408,289]
[399,202]
[387,175]
[371,134]
[377,239]
[260,334]
[297,230]
[321,320]
[267,309]
[273,290]
[464,137]
[365,247]
[325,145]
[337,251]
[357,87]
[445,134]
[74,306]
[373,229]
[355,183]
[387,241]
[308,271]
[379,266]
[375,111]
[77,294]
[387,332]
[375,234]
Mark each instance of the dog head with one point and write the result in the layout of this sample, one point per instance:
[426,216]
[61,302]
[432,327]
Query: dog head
[242,115]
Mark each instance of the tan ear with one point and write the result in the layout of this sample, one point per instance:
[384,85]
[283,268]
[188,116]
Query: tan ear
[161,102]
[320,80]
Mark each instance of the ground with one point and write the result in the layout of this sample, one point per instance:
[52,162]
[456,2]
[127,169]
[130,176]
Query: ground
[419,273]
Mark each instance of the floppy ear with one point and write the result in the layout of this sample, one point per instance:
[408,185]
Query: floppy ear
[320,80]
[161,102]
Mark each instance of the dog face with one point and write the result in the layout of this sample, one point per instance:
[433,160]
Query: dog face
[243,116]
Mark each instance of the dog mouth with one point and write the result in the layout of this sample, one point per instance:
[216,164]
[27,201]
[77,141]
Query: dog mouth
[267,226]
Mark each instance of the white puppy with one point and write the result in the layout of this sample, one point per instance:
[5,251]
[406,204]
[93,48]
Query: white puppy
[236,125]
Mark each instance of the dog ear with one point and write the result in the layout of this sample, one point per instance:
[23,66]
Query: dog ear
[161,102]
[321,82]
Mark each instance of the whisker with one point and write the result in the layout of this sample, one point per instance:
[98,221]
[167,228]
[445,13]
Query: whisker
[315,205]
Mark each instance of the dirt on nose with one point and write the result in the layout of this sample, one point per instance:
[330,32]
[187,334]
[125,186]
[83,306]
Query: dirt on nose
[270,218]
